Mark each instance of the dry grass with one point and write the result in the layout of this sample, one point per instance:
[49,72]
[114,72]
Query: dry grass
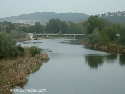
[14,72]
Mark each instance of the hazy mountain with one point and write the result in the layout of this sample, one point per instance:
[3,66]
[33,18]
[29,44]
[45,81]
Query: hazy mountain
[44,17]
[116,17]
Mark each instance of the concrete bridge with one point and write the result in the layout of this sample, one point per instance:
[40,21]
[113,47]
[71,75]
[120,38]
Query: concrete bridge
[61,35]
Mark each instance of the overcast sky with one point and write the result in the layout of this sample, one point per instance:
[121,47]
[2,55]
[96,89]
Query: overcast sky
[17,7]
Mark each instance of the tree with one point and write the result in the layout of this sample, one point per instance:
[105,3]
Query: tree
[38,28]
[8,47]
[94,22]
[76,28]
[56,26]
[111,31]
[7,26]
[121,39]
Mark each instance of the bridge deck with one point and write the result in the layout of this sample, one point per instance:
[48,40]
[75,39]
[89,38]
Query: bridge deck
[60,34]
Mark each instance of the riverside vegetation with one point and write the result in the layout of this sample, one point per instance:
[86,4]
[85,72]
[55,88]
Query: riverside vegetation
[101,34]
[16,63]
[104,35]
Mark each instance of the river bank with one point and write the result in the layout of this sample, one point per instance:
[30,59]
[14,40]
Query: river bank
[14,72]
[111,48]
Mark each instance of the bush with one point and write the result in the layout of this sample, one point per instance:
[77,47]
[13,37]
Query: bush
[34,51]
[8,47]
[20,51]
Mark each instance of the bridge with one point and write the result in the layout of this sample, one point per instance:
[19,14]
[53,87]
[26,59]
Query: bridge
[61,35]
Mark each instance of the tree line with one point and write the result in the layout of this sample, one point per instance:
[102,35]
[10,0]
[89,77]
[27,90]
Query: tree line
[102,31]
[98,29]
[53,26]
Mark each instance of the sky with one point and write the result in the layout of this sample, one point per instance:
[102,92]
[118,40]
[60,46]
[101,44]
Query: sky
[91,7]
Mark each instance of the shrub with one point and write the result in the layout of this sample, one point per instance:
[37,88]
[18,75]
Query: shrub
[34,51]
[8,47]
[20,51]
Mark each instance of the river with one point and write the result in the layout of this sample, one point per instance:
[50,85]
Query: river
[74,69]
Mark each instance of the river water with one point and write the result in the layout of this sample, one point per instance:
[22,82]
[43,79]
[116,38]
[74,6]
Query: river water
[74,69]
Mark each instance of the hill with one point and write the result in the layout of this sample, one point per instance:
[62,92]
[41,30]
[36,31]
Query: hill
[44,17]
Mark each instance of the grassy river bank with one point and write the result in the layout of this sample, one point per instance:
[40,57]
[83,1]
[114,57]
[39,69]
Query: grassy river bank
[14,72]
[17,62]
[111,48]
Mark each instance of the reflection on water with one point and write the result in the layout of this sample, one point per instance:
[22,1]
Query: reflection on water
[94,61]
[122,60]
